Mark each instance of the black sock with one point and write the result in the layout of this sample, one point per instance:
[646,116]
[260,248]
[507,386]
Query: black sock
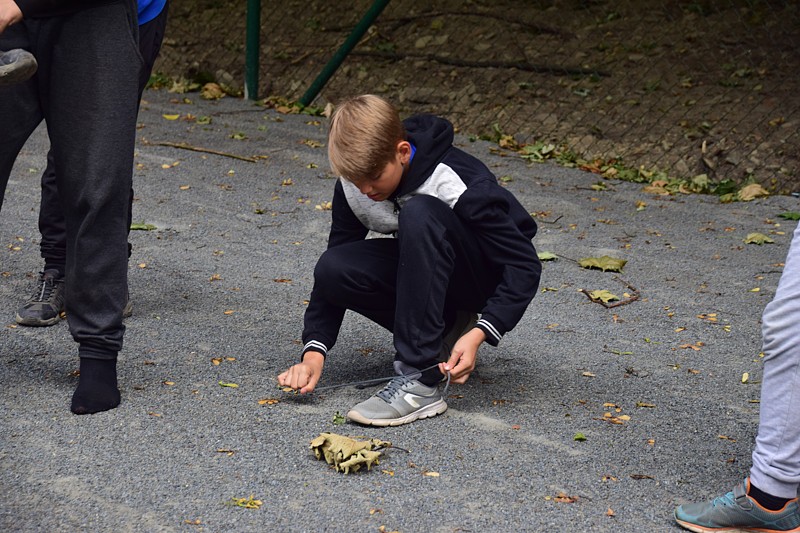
[97,389]
[431,377]
[768,501]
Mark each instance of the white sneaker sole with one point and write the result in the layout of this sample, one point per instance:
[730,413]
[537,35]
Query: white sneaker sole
[436,408]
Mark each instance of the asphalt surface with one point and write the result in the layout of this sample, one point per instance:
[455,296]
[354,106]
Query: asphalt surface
[654,385]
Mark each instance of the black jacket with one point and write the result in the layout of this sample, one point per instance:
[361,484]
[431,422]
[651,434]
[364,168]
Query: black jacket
[503,227]
[53,8]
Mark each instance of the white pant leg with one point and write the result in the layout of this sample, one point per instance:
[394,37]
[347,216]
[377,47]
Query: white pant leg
[776,457]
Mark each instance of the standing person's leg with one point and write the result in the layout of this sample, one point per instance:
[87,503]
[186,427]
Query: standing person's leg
[20,111]
[47,302]
[776,457]
[45,305]
[93,90]
[767,500]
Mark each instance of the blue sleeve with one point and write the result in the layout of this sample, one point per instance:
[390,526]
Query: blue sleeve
[150,9]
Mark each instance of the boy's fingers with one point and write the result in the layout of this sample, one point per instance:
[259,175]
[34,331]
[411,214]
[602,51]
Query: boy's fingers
[312,383]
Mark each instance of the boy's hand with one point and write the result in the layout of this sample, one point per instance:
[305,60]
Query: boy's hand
[465,354]
[304,375]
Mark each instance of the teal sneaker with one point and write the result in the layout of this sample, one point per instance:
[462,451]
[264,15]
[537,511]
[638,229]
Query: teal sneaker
[401,401]
[736,511]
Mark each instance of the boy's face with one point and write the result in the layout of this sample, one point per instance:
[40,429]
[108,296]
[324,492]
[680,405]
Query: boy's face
[379,188]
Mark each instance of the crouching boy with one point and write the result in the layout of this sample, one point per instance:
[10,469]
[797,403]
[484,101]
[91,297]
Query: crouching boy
[461,246]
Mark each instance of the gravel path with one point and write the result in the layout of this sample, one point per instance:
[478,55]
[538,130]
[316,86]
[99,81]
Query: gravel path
[223,278]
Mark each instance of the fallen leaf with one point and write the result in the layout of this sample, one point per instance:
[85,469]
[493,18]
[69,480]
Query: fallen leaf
[230,385]
[752,191]
[171,117]
[247,503]
[141,226]
[603,295]
[345,454]
[268,401]
[604,263]
[431,474]
[546,256]
[580,437]
[562,497]
[757,238]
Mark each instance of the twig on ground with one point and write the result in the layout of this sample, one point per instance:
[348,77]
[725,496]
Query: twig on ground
[186,146]
[632,298]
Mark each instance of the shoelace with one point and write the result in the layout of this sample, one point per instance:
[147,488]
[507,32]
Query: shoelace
[46,291]
[395,382]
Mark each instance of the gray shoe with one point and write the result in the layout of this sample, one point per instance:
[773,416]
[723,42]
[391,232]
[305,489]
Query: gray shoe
[16,66]
[736,511]
[464,322]
[401,401]
[46,305]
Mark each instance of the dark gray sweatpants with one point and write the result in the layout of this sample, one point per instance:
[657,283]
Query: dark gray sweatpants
[86,92]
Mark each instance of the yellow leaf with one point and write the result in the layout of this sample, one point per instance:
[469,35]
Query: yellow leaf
[185,187]
[604,263]
[268,401]
[431,474]
[228,312]
[169,383]
[757,238]
[603,295]
[230,385]
[745,377]
[171,117]
[752,191]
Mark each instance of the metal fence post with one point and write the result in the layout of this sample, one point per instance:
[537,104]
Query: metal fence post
[252,49]
[350,43]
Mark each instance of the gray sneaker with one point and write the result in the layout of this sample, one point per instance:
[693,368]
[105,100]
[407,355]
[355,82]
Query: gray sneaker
[16,66]
[46,305]
[736,511]
[401,401]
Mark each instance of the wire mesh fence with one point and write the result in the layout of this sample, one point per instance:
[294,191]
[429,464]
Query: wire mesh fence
[680,87]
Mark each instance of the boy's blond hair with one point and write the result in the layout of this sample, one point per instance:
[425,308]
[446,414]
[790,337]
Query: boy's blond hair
[363,137]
